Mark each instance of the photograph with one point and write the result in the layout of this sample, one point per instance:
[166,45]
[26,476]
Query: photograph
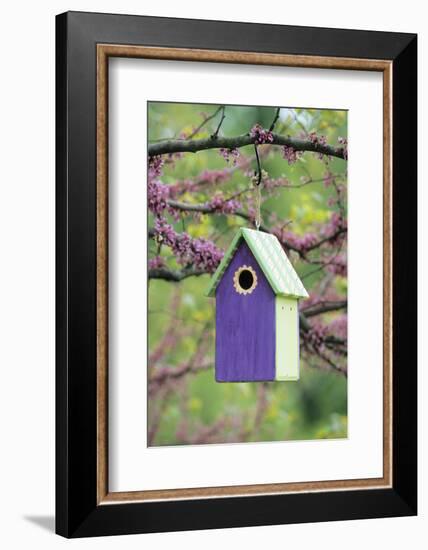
[213,257]
[247,273]
[235,240]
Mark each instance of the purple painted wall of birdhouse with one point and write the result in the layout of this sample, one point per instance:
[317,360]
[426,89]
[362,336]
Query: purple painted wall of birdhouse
[245,326]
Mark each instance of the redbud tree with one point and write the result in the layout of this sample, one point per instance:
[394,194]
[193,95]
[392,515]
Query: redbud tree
[204,164]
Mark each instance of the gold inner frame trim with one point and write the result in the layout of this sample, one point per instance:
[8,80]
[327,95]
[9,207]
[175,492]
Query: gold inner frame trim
[104,51]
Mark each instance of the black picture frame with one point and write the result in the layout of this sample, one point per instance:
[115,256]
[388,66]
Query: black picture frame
[77,512]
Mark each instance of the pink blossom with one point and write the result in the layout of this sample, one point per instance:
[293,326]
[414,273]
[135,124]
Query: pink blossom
[314,337]
[207,177]
[261,135]
[335,226]
[344,142]
[302,243]
[314,138]
[156,263]
[157,195]
[228,154]
[290,154]
[338,266]
[222,206]
[318,140]
[155,167]
[214,176]
[332,231]
[203,254]
[339,326]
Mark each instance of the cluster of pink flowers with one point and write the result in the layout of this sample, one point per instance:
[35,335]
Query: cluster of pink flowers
[332,230]
[334,226]
[220,205]
[229,154]
[318,140]
[314,338]
[157,192]
[339,266]
[290,154]
[156,263]
[261,135]
[207,177]
[339,326]
[180,187]
[344,142]
[157,195]
[155,167]
[203,254]
[315,138]
[302,243]
[214,176]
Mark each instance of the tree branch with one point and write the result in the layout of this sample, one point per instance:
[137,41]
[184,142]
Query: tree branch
[163,373]
[202,124]
[324,307]
[272,126]
[223,116]
[174,276]
[332,364]
[215,142]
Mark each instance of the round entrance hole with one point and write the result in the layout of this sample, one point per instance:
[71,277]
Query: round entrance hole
[245,280]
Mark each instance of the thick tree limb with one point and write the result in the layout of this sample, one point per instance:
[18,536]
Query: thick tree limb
[216,142]
[174,275]
[324,307]
[191,207]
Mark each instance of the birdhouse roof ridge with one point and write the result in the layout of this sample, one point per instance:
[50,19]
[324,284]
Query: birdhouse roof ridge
[272,259]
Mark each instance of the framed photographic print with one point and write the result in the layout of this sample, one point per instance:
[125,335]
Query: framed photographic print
[236,274]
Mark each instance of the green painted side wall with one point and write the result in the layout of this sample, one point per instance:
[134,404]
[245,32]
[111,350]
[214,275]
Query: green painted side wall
[287,338]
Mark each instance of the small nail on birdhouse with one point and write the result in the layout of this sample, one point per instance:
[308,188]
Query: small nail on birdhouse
[257,319]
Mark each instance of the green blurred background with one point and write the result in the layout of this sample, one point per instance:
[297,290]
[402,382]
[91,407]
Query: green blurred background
[192,408]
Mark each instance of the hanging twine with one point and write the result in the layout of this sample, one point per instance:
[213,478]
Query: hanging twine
[257,199]
[258,219]
[257,182]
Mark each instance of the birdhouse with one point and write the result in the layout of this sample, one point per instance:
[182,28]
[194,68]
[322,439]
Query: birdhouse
[257,318]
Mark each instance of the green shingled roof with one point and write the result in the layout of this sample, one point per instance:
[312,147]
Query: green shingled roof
[272,260]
